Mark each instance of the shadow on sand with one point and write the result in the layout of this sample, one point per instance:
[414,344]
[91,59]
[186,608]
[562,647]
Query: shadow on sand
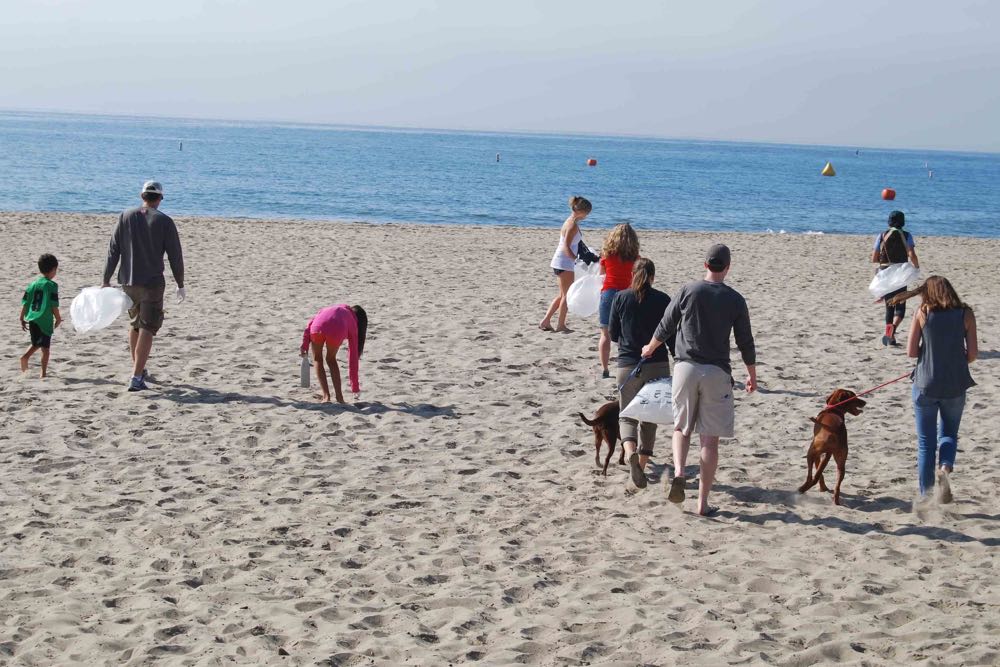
[787,392]
[184,393]
[789,499]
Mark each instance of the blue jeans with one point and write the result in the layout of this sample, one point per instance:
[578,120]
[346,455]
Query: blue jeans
[604,308]
[937,440]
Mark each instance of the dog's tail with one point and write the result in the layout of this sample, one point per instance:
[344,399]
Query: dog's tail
[586,421]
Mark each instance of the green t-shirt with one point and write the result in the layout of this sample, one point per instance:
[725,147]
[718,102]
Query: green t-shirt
[40,298]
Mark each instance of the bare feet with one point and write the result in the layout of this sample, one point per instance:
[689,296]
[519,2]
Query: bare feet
[545,326]
[564,330]
[24,364]
[323,398]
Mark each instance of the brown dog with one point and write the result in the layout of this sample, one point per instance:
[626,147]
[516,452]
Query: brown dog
[605,425]
[830,439]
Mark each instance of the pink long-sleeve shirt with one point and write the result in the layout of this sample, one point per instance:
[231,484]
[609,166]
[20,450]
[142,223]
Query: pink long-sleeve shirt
[337,323]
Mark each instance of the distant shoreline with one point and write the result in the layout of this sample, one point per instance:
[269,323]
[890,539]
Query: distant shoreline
[181,217]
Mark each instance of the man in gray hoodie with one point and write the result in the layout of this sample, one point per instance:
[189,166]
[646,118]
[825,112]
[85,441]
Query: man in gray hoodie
[702,317]
[141,237]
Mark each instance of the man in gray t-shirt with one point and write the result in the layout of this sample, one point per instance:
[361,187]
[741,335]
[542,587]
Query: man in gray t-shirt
[699,321]
[141,238]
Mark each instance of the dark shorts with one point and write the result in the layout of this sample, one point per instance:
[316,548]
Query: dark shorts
[147,306]
[558,271]
[38,337]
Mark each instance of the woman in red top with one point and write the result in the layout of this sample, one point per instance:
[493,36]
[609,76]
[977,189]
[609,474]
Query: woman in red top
[619,253]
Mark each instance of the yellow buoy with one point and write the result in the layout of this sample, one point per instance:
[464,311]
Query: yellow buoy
[828,170]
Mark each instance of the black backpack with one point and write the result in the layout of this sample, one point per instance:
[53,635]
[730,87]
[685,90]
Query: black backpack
[893,249]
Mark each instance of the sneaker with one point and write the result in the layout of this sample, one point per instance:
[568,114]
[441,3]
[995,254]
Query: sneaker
[636,471]
[943,487]
[892,342]
[606,374]
[137,384]
[889,335]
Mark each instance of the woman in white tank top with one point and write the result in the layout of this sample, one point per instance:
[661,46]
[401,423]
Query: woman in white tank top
[563,260]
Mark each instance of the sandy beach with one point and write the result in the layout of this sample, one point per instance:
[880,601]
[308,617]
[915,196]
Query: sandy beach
[454,515]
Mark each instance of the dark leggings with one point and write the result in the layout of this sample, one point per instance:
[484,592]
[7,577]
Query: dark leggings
[899,310]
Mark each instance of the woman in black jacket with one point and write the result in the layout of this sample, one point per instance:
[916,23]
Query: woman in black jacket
[635,314]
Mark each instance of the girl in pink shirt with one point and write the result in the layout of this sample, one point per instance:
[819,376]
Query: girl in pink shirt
[330,327]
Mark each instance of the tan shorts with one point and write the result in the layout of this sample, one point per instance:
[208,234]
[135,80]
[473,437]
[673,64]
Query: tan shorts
[703,400]
[147,306]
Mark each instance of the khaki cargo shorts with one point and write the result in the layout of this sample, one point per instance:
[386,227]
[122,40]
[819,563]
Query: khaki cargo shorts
[147,306]
[703,400]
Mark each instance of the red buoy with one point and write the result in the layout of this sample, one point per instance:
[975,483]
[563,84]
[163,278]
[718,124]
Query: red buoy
[888,194]
[591,162]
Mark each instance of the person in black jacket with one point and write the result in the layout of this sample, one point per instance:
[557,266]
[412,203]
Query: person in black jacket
[635,314]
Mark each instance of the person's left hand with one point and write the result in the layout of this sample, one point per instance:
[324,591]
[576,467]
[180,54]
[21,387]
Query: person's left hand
[181,294]
[751,385]
[357,395]
[24,325]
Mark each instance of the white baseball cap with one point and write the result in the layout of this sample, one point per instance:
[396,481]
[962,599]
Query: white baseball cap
[153,187]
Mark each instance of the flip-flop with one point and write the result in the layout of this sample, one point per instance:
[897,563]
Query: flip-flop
[676,492]
[635,470]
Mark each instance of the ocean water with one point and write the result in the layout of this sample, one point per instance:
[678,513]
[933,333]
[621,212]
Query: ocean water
[61,162]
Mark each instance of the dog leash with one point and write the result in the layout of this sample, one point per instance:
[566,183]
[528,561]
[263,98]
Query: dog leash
[632,374]
[868,391]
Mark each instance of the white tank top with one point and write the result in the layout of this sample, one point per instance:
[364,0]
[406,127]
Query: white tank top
[560,260]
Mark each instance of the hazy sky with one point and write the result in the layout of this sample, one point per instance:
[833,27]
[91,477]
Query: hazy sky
[866,72]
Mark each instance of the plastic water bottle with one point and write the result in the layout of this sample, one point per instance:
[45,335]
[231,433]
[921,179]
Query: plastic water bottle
[304,372]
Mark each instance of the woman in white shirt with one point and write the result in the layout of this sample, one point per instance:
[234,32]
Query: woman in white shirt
[563,261]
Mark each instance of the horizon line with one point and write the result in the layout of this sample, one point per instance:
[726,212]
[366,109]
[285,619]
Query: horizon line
[522,132]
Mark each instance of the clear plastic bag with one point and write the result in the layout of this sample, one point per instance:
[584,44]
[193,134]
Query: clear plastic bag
[584,294]
[96,308]
[892,278]
[653,403]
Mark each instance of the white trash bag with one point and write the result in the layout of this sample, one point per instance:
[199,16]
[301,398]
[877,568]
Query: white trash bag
[95,308]
[653,403]
[584,294]
[582,270]
[892,278]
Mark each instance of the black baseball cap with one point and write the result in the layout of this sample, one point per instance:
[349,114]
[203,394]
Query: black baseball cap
[718,257]
[897,219]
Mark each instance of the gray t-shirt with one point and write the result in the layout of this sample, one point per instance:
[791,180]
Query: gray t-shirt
[701,317]
[139,241]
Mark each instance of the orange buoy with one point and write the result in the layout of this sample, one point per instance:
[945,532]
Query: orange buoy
[591,162]
[888,194]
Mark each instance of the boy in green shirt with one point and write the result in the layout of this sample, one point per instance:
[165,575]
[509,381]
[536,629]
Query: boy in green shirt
[40,311]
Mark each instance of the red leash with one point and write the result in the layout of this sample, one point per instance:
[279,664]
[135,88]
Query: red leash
[884,384]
